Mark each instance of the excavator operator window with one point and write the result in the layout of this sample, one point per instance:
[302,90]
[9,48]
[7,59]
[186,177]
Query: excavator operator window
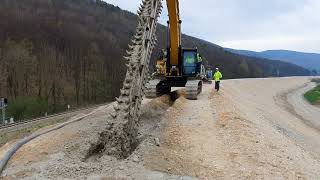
[189,58]
[190,63]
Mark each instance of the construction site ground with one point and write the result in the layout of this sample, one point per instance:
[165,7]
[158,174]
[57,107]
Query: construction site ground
[251,129]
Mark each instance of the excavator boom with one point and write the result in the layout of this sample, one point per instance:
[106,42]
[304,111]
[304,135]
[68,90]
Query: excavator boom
[175,31]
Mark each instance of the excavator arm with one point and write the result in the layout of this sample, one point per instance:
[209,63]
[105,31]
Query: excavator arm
[175,31]
[180,61]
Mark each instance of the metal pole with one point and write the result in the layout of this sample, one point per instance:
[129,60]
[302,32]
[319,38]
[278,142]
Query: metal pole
[3,110]
[4,114]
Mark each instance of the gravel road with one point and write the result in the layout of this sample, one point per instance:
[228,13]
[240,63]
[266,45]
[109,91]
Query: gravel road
[309,113]
[252,129]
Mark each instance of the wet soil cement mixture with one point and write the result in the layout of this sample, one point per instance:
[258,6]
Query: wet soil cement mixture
[248,130]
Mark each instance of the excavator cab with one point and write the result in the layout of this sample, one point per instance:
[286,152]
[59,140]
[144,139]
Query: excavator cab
[191,62]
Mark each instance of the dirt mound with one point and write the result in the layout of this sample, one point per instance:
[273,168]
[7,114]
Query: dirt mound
[109,139]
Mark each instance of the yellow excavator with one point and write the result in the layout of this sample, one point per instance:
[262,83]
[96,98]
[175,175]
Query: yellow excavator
[179,67]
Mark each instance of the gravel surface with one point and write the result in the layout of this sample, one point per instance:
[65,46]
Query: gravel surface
[246,131]
[303,108]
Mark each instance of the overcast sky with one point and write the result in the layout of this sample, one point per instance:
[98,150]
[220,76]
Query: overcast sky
[249,24]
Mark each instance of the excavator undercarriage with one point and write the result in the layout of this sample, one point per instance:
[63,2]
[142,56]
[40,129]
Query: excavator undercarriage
[158,87]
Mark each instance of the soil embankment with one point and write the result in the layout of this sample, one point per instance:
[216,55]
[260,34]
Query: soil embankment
[251,129]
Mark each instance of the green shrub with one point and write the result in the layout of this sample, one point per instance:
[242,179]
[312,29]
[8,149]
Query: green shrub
[27,107]
[313,96]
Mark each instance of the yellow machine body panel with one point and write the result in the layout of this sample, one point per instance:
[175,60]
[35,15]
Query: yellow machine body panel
[161,67]
[175,31]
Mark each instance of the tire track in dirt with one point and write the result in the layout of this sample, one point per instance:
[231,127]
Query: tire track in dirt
[309,113]
[207,139]
[286,134]
[232,135]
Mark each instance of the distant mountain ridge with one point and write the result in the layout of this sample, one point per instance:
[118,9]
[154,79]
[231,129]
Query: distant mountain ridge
[310,61]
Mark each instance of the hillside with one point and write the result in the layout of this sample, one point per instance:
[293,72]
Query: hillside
[70,52]
[307,60]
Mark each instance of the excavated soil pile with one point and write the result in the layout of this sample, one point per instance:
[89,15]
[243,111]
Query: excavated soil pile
[76,156]
[109,138]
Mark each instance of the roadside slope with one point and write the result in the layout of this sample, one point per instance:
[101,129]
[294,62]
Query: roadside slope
[242,132]
[245,131]
[309,113]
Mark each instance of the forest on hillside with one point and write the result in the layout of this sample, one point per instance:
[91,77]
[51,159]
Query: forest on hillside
[59,52]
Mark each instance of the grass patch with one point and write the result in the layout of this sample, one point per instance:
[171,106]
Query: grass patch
[313,96]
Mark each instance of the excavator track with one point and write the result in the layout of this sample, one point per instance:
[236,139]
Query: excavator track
[193,89]
[151,89]
[120,138]
[156,88]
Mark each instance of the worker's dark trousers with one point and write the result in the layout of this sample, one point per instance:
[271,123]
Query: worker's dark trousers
[217,87]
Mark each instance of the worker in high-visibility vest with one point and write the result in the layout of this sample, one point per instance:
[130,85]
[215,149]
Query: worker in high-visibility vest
[217,78]
[199,57]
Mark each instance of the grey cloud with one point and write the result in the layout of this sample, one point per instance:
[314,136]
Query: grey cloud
[249,24]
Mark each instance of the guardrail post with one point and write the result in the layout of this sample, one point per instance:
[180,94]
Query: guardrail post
[3,107]
[4,114]
[11,120]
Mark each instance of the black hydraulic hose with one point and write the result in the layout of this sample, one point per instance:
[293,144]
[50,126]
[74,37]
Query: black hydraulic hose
[4,160]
